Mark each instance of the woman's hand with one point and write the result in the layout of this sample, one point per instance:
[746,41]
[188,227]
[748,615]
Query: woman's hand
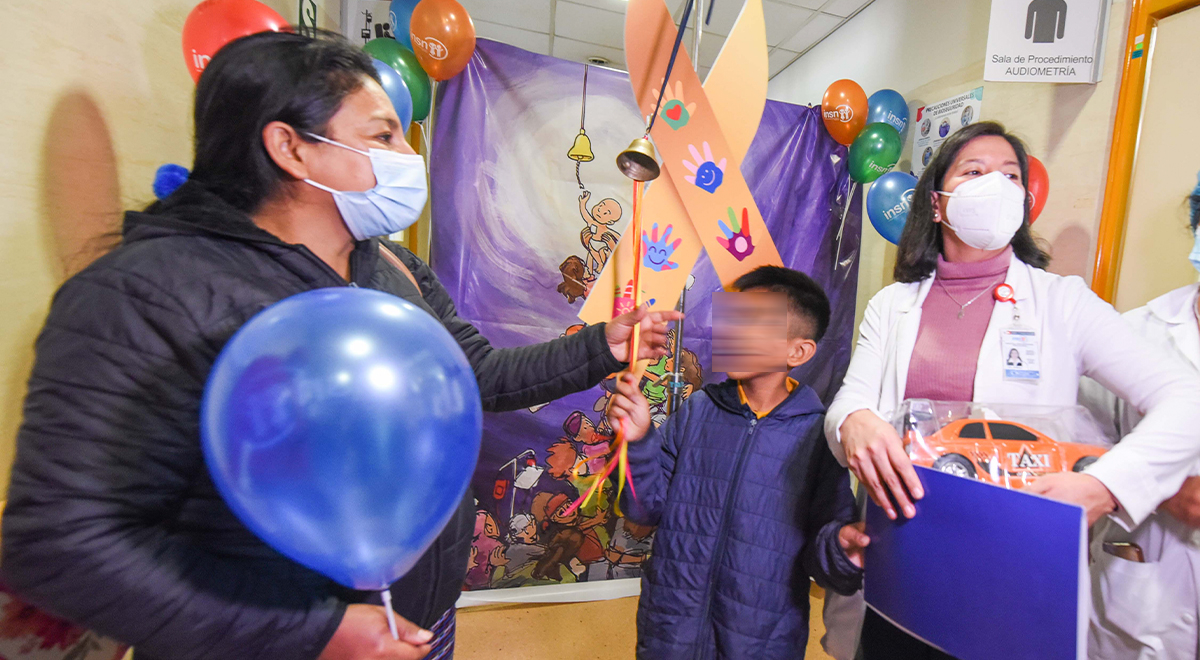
[854,541]
[628,409]
[1185,505]
[1077,488]
[363,634]
[875,454]
[654,333]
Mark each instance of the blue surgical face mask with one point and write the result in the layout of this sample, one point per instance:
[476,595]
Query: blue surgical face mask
[1194,257]
[395,202]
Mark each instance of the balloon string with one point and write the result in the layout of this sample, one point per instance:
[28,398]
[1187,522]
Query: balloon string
[621,460]
[391,614]
[636,226]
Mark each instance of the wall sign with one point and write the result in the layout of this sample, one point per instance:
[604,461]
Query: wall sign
[364,20]
[937,121]
[1060,41]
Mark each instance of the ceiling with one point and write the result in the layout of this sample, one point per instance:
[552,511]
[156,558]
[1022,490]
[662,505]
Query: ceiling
[579,29]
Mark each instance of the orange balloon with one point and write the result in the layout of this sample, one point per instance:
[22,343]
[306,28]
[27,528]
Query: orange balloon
[443,37]
[1038,188]
[844,109]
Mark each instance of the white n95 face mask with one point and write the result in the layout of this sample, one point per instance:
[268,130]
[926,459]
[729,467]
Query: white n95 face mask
[986,211]
[395,202]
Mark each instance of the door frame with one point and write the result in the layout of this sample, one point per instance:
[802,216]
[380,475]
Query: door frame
[1110,239]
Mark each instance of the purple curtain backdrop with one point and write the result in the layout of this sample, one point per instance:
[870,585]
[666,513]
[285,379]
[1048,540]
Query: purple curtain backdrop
[506,211]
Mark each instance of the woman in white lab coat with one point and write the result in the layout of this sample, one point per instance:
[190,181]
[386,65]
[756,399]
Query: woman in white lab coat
[970,286]
[1147,593]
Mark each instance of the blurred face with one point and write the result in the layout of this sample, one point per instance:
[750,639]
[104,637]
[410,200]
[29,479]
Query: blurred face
[750,333]
[366,120]
[983,155]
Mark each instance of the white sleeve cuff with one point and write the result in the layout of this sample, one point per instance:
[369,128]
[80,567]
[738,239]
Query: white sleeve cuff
[833,432]
[1137,497]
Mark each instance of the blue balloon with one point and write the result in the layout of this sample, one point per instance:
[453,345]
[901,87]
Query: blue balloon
[889,107]
[400,14]
[397,91]
[342,426]
[888,203]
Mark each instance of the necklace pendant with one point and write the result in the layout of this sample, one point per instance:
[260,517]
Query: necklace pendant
[961,312]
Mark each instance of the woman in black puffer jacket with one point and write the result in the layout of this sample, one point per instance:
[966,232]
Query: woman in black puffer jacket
[112,520]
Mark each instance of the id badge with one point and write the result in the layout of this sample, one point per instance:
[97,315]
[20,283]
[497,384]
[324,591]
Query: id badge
[1019,348]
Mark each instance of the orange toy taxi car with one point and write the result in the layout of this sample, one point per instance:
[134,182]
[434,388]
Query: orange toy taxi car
[999,452]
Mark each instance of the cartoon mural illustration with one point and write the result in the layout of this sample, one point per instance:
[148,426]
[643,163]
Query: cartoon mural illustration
[571,538]
[517,254]
[575,284]
[597,239]
[629,547]
[487,550]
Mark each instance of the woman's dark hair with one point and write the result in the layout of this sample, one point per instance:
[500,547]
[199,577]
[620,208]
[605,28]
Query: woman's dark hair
[253,81]
[921,241]
[1194,205]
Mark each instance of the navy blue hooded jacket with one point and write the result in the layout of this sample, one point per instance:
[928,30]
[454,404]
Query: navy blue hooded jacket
[747,511]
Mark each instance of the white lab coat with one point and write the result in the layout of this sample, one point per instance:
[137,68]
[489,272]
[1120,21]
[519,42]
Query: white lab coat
[1148,611]
[1079,335]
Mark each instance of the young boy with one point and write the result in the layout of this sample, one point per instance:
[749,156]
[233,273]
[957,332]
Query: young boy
[748,500]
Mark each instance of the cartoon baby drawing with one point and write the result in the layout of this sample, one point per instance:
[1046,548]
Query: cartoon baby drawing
[596,237]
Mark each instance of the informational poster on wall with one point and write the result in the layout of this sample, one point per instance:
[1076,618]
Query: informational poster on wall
[364,20]
[937,121]
[1056,41]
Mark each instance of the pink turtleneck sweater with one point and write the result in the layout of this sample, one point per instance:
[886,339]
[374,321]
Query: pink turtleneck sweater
[947,349]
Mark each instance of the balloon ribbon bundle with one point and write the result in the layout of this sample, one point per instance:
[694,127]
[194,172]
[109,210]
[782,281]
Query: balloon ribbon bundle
[638,163]
[621,443]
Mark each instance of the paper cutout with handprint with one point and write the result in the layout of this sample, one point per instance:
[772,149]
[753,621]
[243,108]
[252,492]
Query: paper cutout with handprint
[705,174]
[737,240]
[729,104]
[657,251]
[674,112]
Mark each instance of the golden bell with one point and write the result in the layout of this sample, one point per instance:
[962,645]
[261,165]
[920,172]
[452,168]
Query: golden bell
[638,161]
[581,151]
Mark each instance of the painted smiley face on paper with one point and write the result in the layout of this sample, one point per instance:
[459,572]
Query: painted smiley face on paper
[657,251]
[737,241]
[706,174]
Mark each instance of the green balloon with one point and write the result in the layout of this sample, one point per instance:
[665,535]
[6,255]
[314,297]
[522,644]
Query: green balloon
[875,151]
[390,52]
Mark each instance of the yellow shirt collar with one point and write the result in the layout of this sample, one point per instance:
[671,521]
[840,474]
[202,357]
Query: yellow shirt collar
[792,384]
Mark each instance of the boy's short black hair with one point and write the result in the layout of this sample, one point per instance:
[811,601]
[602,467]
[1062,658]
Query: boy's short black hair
[806,298]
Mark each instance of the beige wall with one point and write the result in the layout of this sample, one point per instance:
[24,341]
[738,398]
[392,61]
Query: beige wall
[929,50]
[1153,259]
[96,98]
